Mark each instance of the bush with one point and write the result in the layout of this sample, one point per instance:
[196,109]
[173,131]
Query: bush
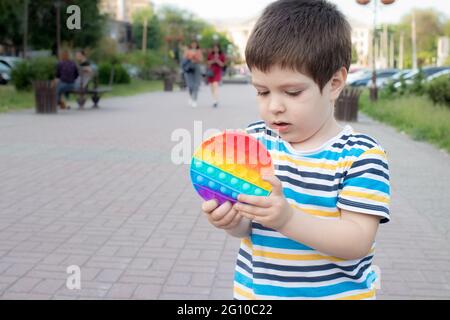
[146,62]
[120,74]
[438,90]
[106,51]
[417,87]
[42,68]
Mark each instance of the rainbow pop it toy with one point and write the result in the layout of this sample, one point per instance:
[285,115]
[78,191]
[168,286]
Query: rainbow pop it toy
[228,164]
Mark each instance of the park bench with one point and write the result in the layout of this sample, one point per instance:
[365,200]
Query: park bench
[95,92]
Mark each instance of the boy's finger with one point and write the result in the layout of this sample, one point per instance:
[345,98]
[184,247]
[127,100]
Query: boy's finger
[277,188]
[246,215]
[236,219]
[209,205]
[227,218]
[258,201]
[256,211]
[221,211]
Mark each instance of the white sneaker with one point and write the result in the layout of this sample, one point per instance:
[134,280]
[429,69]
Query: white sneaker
[190,102]
[194,104]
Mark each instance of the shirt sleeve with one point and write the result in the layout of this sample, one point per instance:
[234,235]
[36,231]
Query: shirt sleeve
[365,187]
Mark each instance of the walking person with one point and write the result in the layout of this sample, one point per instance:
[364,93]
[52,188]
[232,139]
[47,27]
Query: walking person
[216,63]
[192,59]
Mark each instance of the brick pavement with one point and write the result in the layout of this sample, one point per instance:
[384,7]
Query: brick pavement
[97,189]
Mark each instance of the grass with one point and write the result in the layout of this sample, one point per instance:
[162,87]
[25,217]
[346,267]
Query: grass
[11,99]
[414,115]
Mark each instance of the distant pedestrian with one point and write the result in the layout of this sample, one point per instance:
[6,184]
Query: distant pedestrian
[192,59]
[216,63]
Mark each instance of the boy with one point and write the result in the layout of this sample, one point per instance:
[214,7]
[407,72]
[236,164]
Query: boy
[313,237]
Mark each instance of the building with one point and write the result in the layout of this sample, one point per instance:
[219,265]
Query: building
[120,14]
[123,10]
[361,41]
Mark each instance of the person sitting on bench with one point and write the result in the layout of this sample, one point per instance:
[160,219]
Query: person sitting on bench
[66,73]
[85,70]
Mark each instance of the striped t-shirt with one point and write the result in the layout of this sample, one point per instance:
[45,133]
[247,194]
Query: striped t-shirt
[350,171]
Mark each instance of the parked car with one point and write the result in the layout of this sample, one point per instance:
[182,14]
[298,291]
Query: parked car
[5,72]
[366,80]
[383,82]
[428,73]
[7,63]
[359,74]
[438,74]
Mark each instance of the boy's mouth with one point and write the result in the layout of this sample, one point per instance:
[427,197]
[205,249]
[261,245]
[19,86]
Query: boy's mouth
[281,126]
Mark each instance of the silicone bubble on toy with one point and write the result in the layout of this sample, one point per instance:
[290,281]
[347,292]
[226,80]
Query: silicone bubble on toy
[229,164]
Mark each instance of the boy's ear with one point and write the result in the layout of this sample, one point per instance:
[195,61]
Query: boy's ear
[338,83]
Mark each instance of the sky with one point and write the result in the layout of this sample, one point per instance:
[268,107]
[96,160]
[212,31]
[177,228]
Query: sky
[241,9]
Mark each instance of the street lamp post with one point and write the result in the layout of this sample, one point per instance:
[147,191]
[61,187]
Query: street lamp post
[373,88]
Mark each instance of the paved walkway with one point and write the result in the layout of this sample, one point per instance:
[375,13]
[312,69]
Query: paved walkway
[97,189]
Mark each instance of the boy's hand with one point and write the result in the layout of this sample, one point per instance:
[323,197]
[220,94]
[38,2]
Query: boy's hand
[272,211]
[224,216]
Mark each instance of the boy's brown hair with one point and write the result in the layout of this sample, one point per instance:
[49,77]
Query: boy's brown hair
[309,36]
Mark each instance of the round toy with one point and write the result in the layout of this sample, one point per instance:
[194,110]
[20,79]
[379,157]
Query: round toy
[229,164]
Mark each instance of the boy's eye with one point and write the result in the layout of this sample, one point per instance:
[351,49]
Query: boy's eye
[294,93]
[262,93]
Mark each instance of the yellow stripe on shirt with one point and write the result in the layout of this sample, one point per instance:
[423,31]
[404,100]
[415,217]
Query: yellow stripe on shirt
[316,212]
[363,195]
[302,163]
[244,293]
[360,296]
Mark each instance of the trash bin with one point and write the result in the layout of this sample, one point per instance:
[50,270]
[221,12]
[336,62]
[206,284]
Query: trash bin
[45,96]
[346,107]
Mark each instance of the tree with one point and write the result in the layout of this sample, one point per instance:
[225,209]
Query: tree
[42,22]
[179,23]
[429,25]
[11,23]
[154,33]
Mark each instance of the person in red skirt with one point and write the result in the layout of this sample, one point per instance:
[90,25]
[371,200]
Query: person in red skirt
[216,62]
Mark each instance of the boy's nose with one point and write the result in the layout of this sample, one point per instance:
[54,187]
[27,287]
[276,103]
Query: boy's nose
[276,106]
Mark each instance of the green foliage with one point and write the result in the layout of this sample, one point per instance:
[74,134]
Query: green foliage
[430,23]
[42,23]
[415,115]
[438,90]
[146,62]
[121,76]
[417,87]
[154,34]
[11,30]
[25,72]
[105,51]
[177,22]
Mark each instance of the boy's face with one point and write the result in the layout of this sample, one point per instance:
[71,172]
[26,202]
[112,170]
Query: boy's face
[291,103]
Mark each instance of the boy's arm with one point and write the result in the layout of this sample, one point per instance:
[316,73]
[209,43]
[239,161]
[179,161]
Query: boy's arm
[242,230]
[351,237]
